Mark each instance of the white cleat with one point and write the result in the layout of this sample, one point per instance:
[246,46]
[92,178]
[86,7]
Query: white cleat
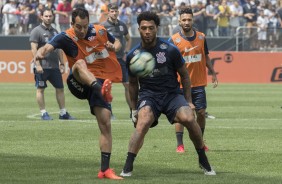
[208,173]
[128,174]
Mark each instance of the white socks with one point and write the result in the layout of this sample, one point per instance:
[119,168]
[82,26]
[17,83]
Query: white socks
[63,111]
[42,111]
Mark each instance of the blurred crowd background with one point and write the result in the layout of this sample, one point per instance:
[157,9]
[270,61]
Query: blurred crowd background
[260,20]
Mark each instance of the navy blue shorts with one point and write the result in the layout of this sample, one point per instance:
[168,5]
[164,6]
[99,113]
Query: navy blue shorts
[199,97]
[167,104]
[82,92]
[123,69]
[54,76]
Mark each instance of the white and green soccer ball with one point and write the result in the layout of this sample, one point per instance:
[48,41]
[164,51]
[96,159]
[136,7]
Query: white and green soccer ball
[142,64]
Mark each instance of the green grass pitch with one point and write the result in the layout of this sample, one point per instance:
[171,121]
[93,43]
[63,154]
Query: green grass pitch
[244,140]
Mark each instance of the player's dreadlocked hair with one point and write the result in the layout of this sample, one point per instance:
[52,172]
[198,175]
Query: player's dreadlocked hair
[185,10]
[80,12]
[148,16]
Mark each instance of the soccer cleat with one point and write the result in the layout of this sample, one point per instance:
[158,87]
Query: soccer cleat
[126,174]
[66,116]
[206,148]
[180,149]
[110,174]
[106,90]
[209,116]
[208,172]
[205,165]
[46,116]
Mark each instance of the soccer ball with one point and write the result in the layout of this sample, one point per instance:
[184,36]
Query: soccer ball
[142,64]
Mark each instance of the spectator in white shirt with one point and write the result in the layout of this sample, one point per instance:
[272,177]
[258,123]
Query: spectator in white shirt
[10,13]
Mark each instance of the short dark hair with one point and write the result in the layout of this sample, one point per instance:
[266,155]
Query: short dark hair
[80,12]
[113,6]
[186,10]
[46,9]
[148,16]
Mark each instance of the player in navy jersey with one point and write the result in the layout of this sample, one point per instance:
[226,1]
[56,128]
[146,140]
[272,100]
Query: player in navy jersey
[159,92]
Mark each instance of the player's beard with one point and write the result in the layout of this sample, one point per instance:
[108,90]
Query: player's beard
[186,29]
[47,23]
[148,42]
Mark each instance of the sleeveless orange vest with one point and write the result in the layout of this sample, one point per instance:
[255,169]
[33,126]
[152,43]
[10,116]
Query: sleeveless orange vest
[101,62]
[194,55]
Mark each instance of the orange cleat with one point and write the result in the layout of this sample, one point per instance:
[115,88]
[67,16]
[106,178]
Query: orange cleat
[107,90]
[110,174]
[180,149]
[206,148]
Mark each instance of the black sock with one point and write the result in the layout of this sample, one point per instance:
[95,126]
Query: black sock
[128,167]
[179,138]
[203,130]
[105,161]
[203,160]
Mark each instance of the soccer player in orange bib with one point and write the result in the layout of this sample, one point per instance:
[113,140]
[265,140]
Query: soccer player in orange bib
[90,52]
[193,47]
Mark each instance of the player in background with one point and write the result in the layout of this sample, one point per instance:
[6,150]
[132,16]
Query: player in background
[119,30]
[90,51]
[53,71]
[178,29]
[193,47]
[159,92]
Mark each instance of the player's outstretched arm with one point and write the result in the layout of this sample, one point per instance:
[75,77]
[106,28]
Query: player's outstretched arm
[41,53]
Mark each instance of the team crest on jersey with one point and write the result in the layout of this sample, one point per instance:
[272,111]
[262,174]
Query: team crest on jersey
[178,40]
[121,28]
[93,30]
[201,37]
[161,57]
[101,32]
[90,38]
[136,52]
[163,46]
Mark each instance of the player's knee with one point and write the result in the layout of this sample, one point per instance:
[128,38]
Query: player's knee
[187,118]
[79,64]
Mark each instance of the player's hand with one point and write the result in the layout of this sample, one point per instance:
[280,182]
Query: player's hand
[39,69]
[134,117]
[191,105]
[214,81]
[110,46]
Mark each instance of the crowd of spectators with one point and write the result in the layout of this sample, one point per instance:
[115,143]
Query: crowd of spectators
[260,19]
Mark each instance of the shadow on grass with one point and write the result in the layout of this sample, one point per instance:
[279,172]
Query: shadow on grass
[27,169]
